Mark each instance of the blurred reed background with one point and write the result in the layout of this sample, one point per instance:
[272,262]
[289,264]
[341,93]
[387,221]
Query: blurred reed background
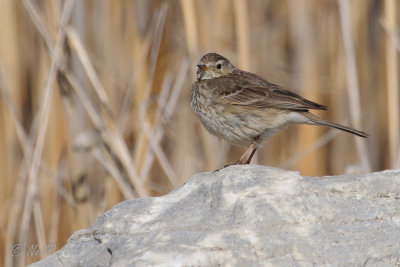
[95,99]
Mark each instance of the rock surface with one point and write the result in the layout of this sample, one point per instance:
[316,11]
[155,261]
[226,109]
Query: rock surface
[249,215]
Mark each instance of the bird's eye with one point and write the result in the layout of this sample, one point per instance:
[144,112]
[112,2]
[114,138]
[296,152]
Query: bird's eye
[219,66]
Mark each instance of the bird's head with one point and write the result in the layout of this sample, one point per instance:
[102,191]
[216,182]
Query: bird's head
[212,66]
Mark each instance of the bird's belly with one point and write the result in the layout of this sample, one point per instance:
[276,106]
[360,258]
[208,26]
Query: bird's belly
[237,128]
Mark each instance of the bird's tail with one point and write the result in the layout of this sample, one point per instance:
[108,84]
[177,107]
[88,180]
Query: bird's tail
[314,119]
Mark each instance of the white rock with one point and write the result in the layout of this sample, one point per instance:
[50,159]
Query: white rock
[246,216]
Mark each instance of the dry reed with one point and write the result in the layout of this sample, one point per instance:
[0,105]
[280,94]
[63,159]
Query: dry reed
[393,82]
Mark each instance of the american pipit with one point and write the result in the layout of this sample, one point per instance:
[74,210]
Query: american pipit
[245,109]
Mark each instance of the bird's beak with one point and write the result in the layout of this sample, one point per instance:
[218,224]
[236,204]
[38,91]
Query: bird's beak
[203,67]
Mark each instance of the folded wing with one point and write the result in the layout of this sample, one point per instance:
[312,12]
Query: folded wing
[251,91]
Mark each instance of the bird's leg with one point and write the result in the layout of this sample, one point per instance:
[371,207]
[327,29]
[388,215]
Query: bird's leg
[251,155]
[243,158]
[252,146]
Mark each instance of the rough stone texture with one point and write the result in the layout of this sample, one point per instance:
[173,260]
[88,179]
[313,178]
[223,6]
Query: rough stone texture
[249,215]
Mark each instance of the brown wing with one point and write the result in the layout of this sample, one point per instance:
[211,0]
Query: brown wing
[251,91]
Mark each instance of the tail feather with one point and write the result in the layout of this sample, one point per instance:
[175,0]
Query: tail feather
[317,120]
[343,128]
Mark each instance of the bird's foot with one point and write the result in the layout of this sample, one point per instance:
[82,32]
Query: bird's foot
[236,163]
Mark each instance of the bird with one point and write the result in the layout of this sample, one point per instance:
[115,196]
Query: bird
[247,110]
